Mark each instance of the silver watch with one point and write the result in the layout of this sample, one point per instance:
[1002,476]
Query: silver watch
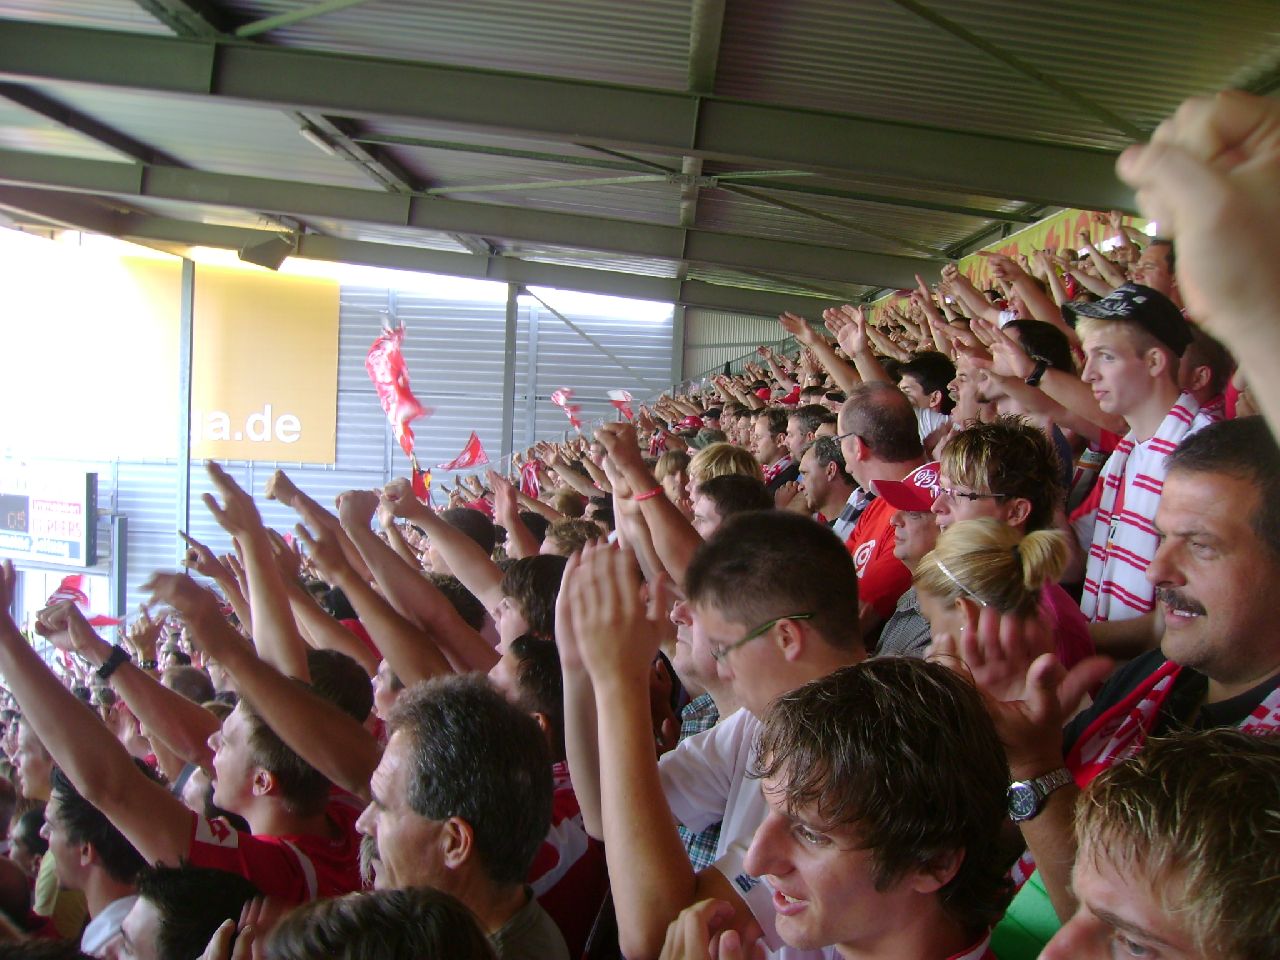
[1027,797]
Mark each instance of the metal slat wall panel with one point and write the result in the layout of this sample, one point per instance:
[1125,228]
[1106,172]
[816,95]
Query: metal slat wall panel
[565,359]
[147,494]
[713,338]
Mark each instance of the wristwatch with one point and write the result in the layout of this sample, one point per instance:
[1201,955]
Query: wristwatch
[1037,372]
[1027,797]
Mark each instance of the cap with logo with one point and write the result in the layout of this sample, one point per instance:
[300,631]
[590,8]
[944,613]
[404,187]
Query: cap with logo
[1149,309]
[914,493]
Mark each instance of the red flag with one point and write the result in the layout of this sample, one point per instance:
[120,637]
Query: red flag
[390,376]
[621,399]
[71,589]
[472,455]
[421,483]
[561,399]
[530,484]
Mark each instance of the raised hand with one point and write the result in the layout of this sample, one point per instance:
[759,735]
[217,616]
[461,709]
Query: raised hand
[197,606]
[325,550]
[853,337]
[144,635]
[798,327]
[63,625]
[238,514]
[400,499]
[201,559]
[357,507]
[280,487]
[617,638]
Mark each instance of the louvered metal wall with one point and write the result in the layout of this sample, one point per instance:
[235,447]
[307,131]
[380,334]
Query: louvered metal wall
[713,338]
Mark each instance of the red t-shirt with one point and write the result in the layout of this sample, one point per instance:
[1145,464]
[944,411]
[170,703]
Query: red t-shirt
[295,868]
[882,577]
[569,875]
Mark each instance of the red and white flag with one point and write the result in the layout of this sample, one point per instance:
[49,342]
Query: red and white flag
[71,588]
[390,376]
[530,484]
[621,400]
[472,455]
[561,399]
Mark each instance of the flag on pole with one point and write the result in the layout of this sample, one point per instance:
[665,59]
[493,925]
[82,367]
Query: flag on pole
[621,400]
[561,399]
[530,484]
[472,455]
[386,366]
[71,588]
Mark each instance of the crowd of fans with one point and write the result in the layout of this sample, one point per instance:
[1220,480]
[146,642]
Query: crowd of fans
[947,636]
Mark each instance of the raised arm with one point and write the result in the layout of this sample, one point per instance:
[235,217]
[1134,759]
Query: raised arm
[1108,271]
[975,304]
[153,819]
[324,735]
[201,559]
[650,874]
[849,326]
[275,633]
[842,373]
[465,557]
[183,726]
[506,510]
[674,539]
[412,652]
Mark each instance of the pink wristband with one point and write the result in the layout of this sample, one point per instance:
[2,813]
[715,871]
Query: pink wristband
[648,494]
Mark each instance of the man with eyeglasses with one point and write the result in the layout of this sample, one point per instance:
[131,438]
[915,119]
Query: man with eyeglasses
[773,600]
[880,440]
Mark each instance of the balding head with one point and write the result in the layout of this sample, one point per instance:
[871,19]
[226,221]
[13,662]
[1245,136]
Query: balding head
[881,417]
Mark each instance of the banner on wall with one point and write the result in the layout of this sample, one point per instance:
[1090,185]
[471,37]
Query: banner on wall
[264,373]
[1060,231]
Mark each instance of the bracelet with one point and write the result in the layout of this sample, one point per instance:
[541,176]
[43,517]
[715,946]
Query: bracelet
[117,656]
[148,664]
[648,494]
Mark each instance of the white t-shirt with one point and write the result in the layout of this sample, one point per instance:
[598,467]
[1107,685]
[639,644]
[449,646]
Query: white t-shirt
[706,781]
[928,421]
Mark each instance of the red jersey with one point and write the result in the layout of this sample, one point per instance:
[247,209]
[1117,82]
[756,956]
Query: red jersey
[294,868]
[882,577]
[569,876]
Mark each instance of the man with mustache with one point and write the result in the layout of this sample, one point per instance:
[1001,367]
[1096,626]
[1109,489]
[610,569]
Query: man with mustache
[1218,664]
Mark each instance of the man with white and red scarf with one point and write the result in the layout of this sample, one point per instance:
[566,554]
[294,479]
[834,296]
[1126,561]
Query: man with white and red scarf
[769,444]
[1218,664]
[1133,340]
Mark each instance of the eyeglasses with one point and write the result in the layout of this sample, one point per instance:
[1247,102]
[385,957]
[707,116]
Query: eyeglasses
[718,653]
[954,495]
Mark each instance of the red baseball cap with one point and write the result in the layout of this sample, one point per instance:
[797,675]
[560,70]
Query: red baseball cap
[914,493]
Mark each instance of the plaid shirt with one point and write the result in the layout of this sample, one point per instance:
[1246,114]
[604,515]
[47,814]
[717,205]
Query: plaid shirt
[698,715]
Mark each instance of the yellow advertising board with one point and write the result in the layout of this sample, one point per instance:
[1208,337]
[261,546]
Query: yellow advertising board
[264,373]
[1060,231]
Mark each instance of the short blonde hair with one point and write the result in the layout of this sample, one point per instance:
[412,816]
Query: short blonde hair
[992,563]
[723,460]
[673,461]
[1198,816]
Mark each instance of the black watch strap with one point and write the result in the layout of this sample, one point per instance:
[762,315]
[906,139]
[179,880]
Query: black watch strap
[1038,372]
[109,666]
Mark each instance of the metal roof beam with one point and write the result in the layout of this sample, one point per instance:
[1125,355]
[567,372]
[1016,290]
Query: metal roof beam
[561,109]
[79,214]
[303,200]
[188,18]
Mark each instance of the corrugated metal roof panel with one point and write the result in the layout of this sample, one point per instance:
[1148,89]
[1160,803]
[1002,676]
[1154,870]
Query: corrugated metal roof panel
[211,135]
[23,130]
[107,14]
[874,58]
[715,337]
[642,43]
[871,227]
[460,136]
[1141,63]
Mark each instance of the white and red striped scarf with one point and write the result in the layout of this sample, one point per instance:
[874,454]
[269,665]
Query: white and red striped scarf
[1124,542]
[771,472]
